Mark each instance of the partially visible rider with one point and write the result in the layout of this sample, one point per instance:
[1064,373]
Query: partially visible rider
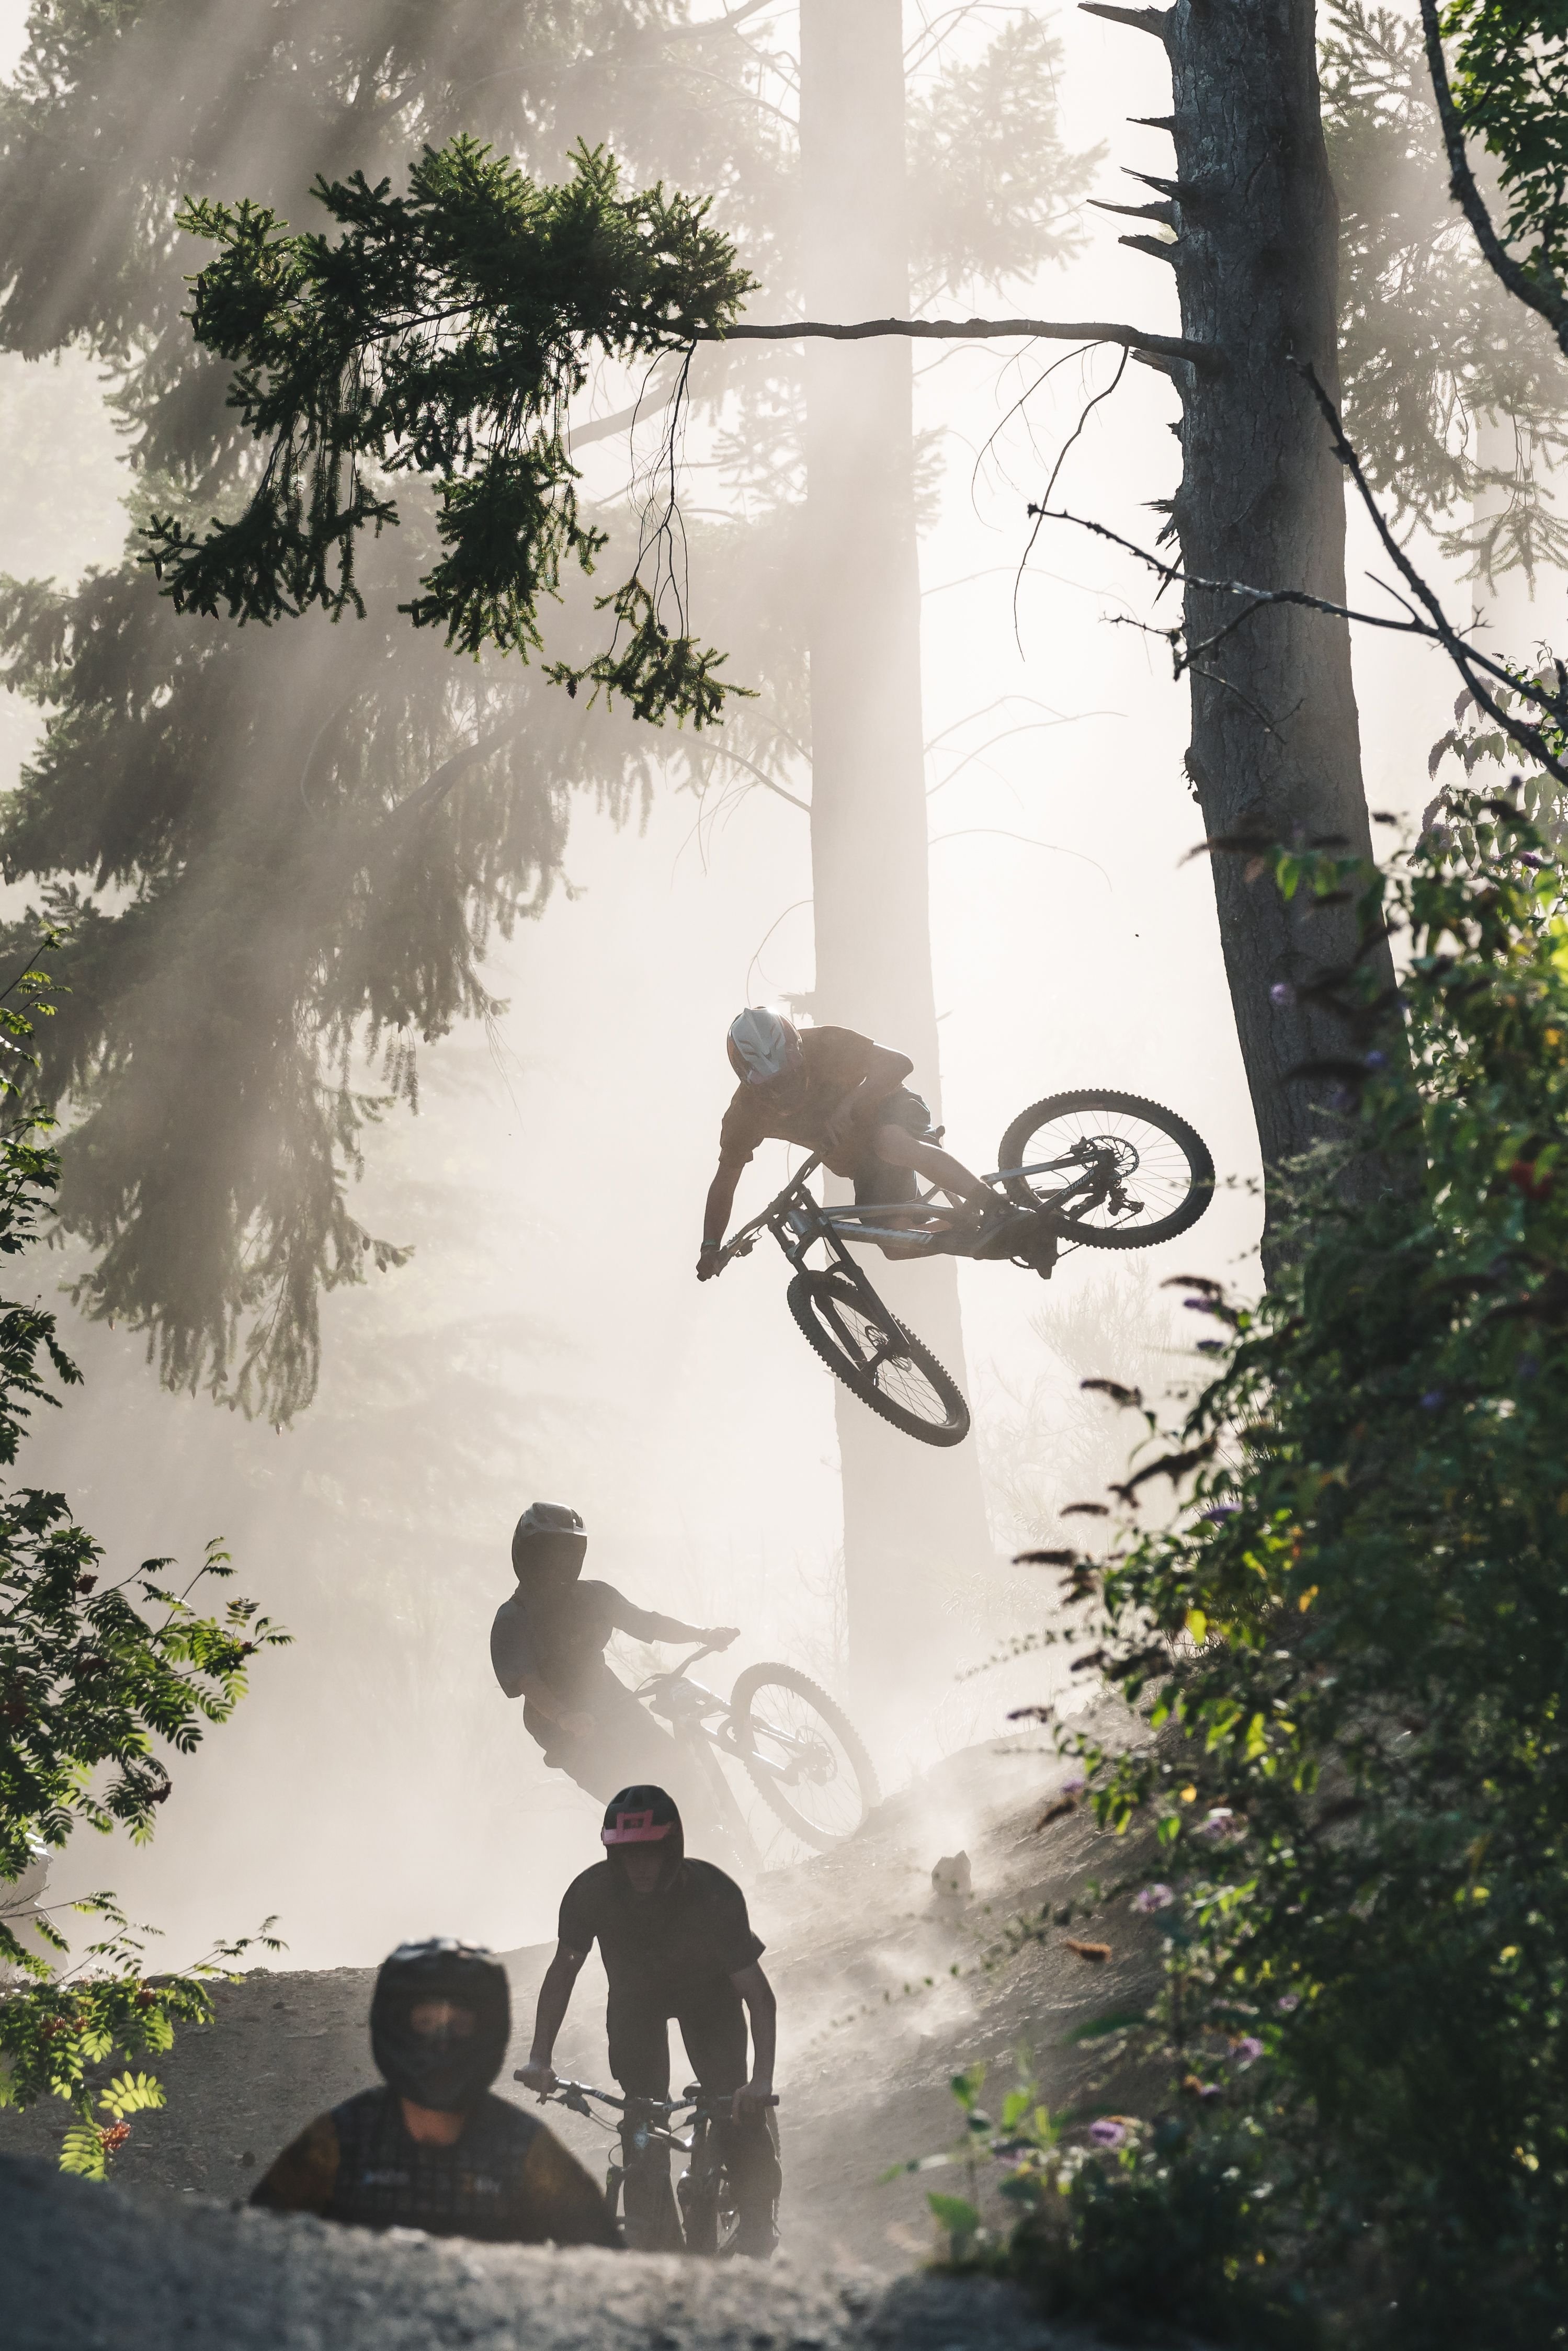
[434,2148]
[677,1942]
[547,1646]
[836,1092]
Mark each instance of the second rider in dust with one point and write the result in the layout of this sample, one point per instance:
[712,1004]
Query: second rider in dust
[547,1646]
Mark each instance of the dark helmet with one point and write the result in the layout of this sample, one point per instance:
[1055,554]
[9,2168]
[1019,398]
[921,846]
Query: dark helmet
[548,1539]
[441,2070]
[645,1815]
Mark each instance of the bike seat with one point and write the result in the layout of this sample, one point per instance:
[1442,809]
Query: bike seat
[693,2090]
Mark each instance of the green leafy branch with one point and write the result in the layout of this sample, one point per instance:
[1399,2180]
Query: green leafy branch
[55,2031]
[1348,1644]
[444,334]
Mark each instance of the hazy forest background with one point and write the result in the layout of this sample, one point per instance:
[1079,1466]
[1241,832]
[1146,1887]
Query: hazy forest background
[547,1337]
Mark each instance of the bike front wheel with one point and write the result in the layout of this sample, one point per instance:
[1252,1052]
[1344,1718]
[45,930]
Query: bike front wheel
[1127,1172]
[877,1358]
[803,1754]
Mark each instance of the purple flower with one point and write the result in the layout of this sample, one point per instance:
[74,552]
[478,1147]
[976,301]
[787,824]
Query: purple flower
[1106,2133]
[1152,1897]
[1527,857]
[1211,1346]
[1220,1823]
[1288,2002]
[1075,1786]
[1433,1400]
[1281,993]
[1246,2049]
[1222,1510]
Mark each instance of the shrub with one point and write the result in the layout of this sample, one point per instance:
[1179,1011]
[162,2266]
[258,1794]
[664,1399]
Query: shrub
[1351,1650]
[91,1676]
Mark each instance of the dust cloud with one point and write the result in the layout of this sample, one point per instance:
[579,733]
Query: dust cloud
[548,1338]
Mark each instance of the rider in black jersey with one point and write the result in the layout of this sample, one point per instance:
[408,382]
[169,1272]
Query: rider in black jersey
[434,2148]
[677,1942]
[547,1646]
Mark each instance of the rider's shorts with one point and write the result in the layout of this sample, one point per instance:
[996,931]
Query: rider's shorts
[876,1183]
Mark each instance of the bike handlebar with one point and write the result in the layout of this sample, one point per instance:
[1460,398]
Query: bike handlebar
[741,1243]
[572,2094]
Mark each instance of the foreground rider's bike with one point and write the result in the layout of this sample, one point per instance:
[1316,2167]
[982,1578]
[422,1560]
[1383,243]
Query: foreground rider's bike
[709,2208]
[799,1752]
[1083,1170]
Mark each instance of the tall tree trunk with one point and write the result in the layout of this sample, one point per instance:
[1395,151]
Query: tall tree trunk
[912,1516]
[1276,748]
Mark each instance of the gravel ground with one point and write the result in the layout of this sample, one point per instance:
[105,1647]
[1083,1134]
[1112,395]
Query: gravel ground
[872,2020]
[882,1992]
[98,2269]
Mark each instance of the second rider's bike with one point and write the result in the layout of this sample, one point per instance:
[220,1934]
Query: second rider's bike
[797,1748]
[1089,1169]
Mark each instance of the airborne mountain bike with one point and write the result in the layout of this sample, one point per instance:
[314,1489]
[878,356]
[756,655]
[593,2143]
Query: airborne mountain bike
[1084,1170]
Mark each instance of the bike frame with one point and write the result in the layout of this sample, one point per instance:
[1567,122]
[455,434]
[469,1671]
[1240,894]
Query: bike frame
[798,1220]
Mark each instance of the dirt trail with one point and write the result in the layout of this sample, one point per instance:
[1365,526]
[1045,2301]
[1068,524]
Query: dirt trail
[873,2020]
[91,2268]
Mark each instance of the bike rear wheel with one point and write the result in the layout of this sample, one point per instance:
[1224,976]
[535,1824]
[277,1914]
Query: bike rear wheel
[877,1358]
[803,1754]
[1158,1176]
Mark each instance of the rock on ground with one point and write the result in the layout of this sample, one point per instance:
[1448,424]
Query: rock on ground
[98,2269]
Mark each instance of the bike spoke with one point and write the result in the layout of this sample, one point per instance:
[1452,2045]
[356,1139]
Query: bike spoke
[1109,1147]
[816,1774]
[880,1352]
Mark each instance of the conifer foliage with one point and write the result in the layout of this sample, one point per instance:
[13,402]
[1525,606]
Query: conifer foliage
[443,334]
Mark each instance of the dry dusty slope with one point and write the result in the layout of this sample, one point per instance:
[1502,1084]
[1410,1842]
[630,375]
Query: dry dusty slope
[868,2044]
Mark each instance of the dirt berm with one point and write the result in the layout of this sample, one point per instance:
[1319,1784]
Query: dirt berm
[94,2269]
[884,1993]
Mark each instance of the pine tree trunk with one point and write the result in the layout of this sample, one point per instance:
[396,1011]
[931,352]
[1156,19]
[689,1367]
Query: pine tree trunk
[913,1517]
[1275,748]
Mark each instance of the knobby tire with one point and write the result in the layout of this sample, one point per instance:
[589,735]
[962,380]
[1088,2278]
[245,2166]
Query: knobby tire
[769,1676]
[1013,1151]
[808,1288]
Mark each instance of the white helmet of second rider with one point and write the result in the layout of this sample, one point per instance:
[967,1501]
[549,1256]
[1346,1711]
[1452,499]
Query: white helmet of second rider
[763,1045]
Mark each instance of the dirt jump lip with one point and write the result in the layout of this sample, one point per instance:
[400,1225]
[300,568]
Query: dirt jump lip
[92,2266]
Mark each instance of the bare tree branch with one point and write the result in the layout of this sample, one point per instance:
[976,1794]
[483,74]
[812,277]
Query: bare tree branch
[1139,20]
[1133,339]
[435,787]
[1542,294]
[1473,665]
[603,428]
[723,752]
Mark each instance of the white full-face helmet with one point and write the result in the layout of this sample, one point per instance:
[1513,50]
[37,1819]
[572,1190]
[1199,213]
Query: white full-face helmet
[763,1046]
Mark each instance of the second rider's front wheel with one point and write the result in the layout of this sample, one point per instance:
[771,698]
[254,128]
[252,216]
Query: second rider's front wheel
[877,1358]
[802,1753]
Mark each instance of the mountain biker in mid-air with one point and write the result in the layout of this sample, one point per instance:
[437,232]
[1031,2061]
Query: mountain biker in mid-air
[677,1942]
[837,1094]
[434,2148]
[547,1646]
